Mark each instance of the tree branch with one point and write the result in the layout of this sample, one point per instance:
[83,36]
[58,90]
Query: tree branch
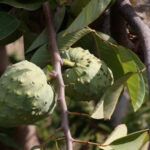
[57,62]
[80,114]
[87,142]
[141,29]
[119,28]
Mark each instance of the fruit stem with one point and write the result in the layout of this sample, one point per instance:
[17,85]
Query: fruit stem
[68,63]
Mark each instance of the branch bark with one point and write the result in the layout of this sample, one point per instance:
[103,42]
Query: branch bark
[87,142]
[141,29]
[80,114]
[57,62]
[119,28]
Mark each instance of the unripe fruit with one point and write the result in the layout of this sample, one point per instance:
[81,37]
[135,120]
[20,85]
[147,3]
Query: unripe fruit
[25,96]
[89,78]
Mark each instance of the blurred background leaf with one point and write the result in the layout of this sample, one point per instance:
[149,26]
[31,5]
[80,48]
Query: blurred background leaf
[28,5]
[8,25]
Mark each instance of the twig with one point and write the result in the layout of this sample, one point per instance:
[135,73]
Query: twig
[60,138]
[141,29]
[57,62]
[83,142]
[87,142]
[80,114]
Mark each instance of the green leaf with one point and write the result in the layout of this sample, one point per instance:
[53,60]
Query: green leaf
[11,38]
[77,6]
[8,25]
[41,57]
[129,65]
[119,131]
[110,98]
[135,84]
[89,13]
[29,37]
[39,41]
[29,5]
[107,53]
[64,42]
[141,66]
[98,111]
[59,17]
[106,37]
[126,61]
[86,43]
[133,141]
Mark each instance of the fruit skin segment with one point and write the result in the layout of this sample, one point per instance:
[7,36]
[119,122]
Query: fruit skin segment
[25,96]
[89,77]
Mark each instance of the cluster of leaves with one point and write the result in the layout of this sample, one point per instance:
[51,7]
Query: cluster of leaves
[71,21]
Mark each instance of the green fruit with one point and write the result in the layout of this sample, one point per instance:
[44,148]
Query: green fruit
[25,96]
[89,78]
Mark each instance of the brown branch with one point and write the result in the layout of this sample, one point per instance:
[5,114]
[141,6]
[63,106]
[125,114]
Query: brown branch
[141,29]
[57,62]
[80,114]
[83,142]
[87,142]
[60,139]
[119,28]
